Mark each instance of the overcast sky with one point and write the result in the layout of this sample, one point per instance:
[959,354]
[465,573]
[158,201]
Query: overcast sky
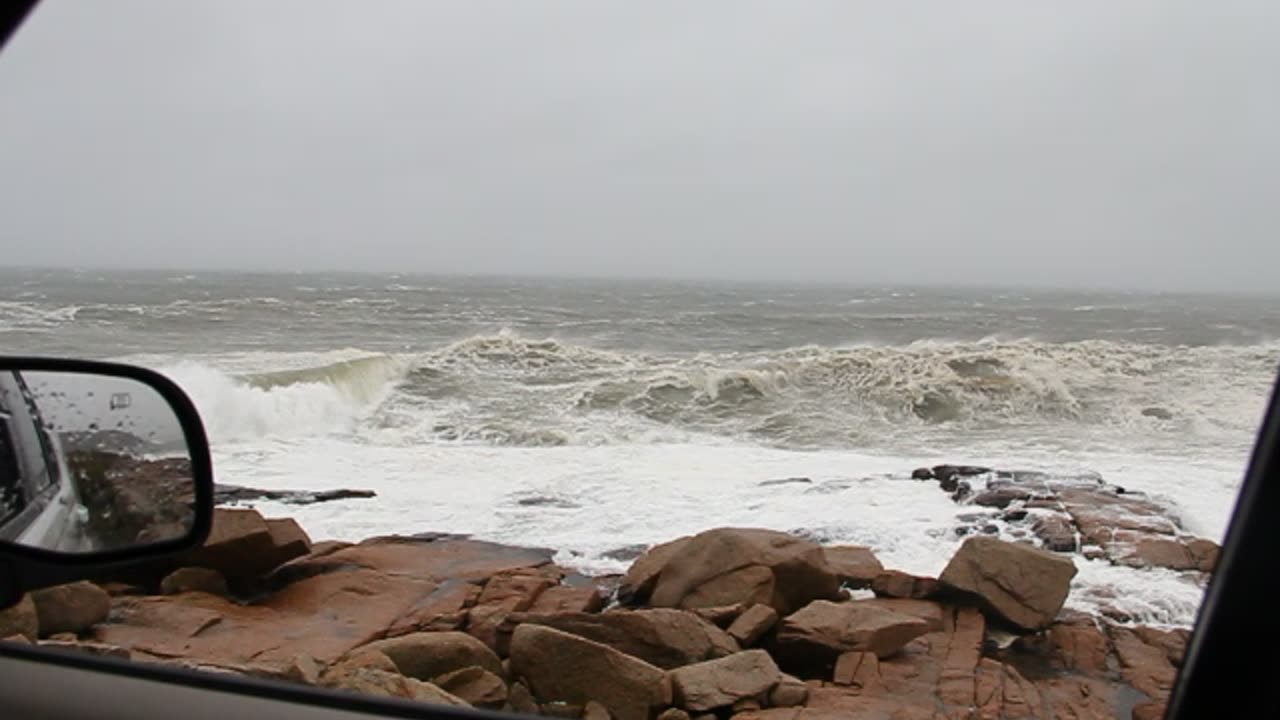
[1099,143]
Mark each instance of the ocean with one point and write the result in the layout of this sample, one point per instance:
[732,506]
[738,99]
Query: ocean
[594,416]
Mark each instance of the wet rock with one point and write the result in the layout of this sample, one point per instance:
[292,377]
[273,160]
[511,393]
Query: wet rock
[786,481]
[856,566]
[922,474]
[721,683]
[561,667]
[1158,413]
[663,637]
[673,714]
[194,579]
[823,630]
[752,625]
[73,608]
[1056,532]
[228,494]
[727,566]
[1021,585]
[1001,496]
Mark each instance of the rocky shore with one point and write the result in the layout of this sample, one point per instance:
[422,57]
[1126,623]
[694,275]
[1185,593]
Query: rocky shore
[732,622]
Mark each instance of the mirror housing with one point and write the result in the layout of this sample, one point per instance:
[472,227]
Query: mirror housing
[81,440]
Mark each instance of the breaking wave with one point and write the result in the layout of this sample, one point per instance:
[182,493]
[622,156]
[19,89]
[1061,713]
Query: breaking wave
[287,403]
[504,389]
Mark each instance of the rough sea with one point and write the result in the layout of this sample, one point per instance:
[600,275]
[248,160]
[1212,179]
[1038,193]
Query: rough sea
[591,416]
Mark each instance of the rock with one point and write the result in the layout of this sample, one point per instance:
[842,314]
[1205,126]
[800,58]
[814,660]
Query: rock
[1056,532]
[735,565]
[848,666]
[1145,667]
[751,625]
[1172,642]
[442,609]
[562,598]
[504,594]
[789,692]
[746,704]
[358,660]
[194,579]
[922,474]
[72,608]
[661,636]
[723,616]
[562,667]
[1000,496]
[927,610]
[20,619]
[288,539]
[1149,711]
[384,684]
[673,714]
[1204,553]
[521,700]
[823,630]
[227,494]
[642,576]
[897,584]
[239,545]
[476,685]
[94,649]
[1021,585]
[949,476]
[786,481]
[595,711]
[723,682]
[429,655]
[17,640]
[856,566]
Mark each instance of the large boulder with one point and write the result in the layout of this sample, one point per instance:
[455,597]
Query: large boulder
[661,636]
[20,620]
[71,608]
[561,667]
[856,566]
[1021,585]
[426,656]
[721,683]
[728,566]
[823,630]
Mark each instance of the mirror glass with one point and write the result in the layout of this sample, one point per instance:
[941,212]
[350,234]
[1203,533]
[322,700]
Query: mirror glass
[90,463]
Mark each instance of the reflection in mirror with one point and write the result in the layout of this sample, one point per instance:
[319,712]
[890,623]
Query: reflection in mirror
[90,463]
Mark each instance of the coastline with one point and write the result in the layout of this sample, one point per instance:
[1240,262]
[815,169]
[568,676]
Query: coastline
[801,630]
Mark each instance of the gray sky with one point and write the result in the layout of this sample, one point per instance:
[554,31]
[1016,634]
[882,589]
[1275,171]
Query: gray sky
[1073,143]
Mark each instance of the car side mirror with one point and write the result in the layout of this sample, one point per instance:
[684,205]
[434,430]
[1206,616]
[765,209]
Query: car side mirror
[101,465]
